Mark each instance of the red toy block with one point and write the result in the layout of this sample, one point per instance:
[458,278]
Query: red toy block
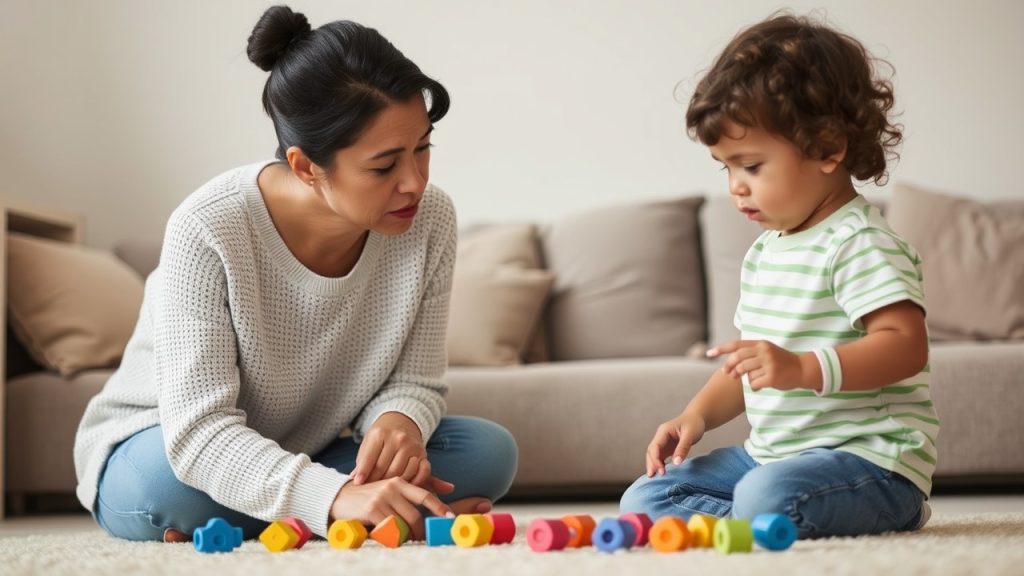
[504,528]
[301,529]
[642,523]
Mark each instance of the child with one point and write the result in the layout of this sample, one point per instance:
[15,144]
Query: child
[832,368]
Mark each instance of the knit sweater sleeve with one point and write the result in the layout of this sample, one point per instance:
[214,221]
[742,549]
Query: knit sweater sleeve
[416,387]
[209,445]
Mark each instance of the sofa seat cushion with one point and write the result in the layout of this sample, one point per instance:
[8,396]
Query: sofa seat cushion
[42,413]
[585,422]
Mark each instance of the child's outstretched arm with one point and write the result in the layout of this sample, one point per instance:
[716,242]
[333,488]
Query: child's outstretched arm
[894,348]
[718,402]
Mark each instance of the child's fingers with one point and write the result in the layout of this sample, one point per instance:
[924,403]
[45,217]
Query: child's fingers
[737,357]
[728,347]
[682,449]
[745,367]
[427,499]
[439,486]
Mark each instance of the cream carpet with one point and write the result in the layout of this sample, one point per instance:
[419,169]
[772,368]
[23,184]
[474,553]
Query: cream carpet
[972,544]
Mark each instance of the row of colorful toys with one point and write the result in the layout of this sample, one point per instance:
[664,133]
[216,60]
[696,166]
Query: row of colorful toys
[668,534]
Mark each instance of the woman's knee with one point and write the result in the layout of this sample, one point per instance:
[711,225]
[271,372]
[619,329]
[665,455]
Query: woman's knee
[483,454]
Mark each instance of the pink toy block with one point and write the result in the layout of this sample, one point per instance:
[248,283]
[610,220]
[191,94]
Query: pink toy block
[504,528]
[546,535]
[642,523]
[301,529]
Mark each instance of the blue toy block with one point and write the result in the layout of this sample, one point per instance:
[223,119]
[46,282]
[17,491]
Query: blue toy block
[439,531]
[217,536]
[612,534]
[773,531]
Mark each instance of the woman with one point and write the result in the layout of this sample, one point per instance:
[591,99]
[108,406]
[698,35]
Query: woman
[296,299]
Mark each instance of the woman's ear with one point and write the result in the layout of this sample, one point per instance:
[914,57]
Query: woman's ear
[301,165]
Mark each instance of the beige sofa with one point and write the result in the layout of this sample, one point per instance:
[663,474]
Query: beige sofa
[612,308]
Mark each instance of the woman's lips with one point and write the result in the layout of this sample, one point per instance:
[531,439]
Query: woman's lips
[407,212]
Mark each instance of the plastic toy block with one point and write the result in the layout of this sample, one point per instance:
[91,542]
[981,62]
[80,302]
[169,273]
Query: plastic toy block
[702,530]
[504,528]
[439,531]
[278,537]
[641,523]
[217,536]
[613,534]
[547,535]
[301,529]
[580,529]
[733,536]
[472,530]
[773,531]
[670,534]
[346,534]
[392,532]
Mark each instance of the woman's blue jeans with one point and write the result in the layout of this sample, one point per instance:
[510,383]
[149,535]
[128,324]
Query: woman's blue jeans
[139,496]
[825,492]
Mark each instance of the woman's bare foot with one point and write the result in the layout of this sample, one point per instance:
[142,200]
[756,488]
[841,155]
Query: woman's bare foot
[172,535]
[471,505]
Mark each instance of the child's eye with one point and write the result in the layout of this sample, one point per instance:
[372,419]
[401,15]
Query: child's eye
[752,169]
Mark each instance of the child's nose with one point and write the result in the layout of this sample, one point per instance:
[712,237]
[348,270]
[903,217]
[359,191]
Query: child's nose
[737,187]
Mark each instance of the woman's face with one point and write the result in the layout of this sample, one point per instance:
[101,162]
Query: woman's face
[377,182]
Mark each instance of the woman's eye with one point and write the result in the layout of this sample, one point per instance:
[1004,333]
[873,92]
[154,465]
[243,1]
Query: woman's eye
[385,170]
[424,148]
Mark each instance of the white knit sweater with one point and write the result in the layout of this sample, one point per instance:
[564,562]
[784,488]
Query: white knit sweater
[251,362]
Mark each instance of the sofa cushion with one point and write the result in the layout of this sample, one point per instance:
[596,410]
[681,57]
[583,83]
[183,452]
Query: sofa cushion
[498,292]
[725,237]
[72,307]
[628,281]
[973,262]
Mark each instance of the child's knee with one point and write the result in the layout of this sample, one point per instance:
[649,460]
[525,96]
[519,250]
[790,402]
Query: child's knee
[760,492]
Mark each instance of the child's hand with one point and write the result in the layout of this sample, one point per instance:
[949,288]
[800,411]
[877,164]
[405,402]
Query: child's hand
[674,438]
[393,448]
[767,365]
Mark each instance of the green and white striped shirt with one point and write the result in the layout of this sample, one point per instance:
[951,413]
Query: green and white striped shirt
[808,291]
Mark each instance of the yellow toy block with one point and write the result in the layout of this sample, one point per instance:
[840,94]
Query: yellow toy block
[471,530]
[702,530]
[392,532]
[278,537]
[346,534]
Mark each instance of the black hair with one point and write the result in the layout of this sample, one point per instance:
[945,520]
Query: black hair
[327,84]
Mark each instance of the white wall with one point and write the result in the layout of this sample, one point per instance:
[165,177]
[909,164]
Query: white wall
[119,108]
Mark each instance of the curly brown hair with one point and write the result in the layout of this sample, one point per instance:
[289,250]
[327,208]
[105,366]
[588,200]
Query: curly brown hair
[807,83]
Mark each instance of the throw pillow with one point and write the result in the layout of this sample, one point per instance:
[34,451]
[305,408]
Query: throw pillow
[74,308]
[498,293]
[973,262]
[629,281]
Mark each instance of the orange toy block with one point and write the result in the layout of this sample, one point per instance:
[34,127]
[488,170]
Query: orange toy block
[278,537]
[669,534]
[702,530]
[580,529]
[346,534]
[472,530]
[392,532]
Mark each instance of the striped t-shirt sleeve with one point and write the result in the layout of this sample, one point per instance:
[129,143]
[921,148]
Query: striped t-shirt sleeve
[872,269]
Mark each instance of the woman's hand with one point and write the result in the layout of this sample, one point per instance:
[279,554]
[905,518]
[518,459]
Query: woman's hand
[768,366]
[372,503]
[392,448]
[674,438]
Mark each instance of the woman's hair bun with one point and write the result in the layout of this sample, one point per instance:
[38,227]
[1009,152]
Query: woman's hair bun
[274,34]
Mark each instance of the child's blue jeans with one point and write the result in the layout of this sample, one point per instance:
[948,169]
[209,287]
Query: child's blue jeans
[825,492]
[139,496]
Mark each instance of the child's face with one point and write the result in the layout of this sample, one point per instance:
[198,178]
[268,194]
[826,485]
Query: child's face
[771,182]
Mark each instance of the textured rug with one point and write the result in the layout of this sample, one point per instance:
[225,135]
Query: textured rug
[950,544]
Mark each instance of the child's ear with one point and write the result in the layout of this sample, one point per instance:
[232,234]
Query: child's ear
[835,153]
